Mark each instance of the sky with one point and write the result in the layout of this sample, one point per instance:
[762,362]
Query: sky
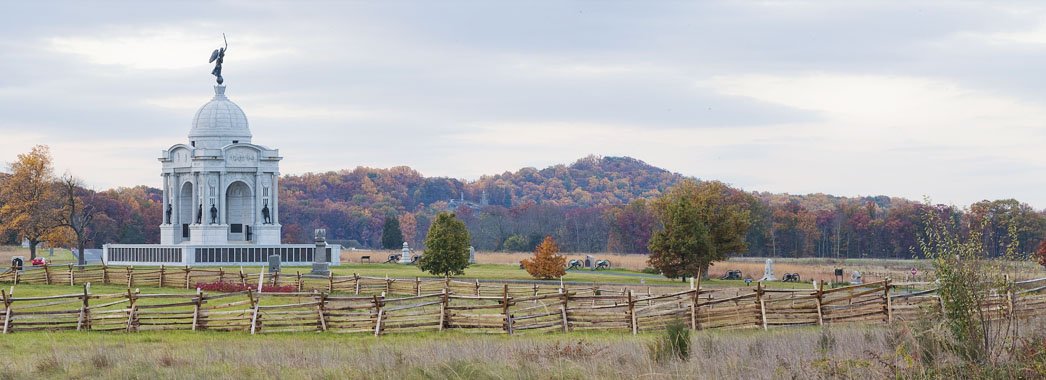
[910,99]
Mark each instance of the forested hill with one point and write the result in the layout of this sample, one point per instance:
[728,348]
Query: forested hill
[595,204]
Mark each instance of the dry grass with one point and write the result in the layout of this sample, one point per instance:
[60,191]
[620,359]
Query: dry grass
[870,351]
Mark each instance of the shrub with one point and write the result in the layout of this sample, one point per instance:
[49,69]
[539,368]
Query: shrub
[673,344]
[546,264]
[446,247]
[231,287]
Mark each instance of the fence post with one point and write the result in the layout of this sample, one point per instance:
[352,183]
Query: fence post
[162,271]
[632,313]
[196,309]
[477,285]
[221,274]
[381,313]
[356,279]
[330,282]
[298,274]
[243,278]
[16,276]
[130,276]
[256,303]
[693,305]
[504,309]
[187,274]
[82,320]
[71,283]
[417,286]
[443,311]
[563,309]
[818,300]
[762,305]
[7,310]
[47,274]
[132,310]
[388,284]
[889,303]
[105,274]
[321,309]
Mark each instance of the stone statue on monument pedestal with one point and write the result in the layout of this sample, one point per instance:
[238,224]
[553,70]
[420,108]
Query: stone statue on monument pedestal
[214,214]
[265,213]
[169,210]
[768,272]
[199,214]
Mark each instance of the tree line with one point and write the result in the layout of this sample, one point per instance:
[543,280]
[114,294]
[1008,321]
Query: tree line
[596,204]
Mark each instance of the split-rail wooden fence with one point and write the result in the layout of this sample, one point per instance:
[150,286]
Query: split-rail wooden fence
[371,305]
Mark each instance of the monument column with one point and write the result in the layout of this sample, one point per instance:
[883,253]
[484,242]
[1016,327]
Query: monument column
[166,201]
[221,199]
[258,220]
[177,208]
[275,198]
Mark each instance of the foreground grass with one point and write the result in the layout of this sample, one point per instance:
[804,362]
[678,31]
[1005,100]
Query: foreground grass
[845,352]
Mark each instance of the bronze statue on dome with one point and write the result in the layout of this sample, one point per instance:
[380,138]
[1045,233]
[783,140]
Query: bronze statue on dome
[219,55]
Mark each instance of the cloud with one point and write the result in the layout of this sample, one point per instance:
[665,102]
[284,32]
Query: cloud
[163,48]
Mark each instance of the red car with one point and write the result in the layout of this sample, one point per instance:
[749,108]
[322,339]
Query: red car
[39,261]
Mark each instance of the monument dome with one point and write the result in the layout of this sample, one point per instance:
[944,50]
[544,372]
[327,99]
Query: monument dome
[218,123]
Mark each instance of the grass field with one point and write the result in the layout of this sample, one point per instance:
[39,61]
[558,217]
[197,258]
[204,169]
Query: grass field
[849,352]
[61,255]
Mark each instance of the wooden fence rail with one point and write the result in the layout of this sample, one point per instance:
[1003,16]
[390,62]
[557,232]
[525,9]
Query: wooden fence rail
[412,305]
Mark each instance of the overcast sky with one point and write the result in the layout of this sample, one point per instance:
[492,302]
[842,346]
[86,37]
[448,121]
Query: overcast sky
[943,99]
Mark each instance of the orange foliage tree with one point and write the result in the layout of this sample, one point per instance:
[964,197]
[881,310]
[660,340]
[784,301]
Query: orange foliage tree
[1041,253]
[546,264]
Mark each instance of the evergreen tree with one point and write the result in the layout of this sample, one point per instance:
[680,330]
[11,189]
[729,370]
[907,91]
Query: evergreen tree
[391,237]
[446,247]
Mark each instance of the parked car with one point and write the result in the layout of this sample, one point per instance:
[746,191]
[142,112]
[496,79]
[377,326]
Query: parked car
[39,261]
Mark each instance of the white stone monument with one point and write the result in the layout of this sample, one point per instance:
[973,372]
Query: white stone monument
[768,272]
[220,188]
[405,254]
[472,255]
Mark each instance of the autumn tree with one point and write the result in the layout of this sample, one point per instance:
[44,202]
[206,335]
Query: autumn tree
[446,247]
[75,214]
[546,263]
[28,199]
[391,236]
[1040,254]
[701,223]
[409,227]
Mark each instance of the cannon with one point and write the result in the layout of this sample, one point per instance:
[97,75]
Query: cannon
[393,258]
[575,264]
[791,277]
[732,275]
[603,264]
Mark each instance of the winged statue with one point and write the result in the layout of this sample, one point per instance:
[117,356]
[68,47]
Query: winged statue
[219,56]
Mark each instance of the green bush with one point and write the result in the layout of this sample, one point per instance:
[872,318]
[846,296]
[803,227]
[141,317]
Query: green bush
[674,343]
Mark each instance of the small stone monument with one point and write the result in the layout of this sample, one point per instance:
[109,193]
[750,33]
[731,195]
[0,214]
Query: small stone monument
[472,255]
[405,254]
[855,278]
[319,264]
[274,263]
[590,262]
[768,272]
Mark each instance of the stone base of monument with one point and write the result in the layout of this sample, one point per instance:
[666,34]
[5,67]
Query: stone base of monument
[209,234]
[167,233]
[268,234]
[320,269]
